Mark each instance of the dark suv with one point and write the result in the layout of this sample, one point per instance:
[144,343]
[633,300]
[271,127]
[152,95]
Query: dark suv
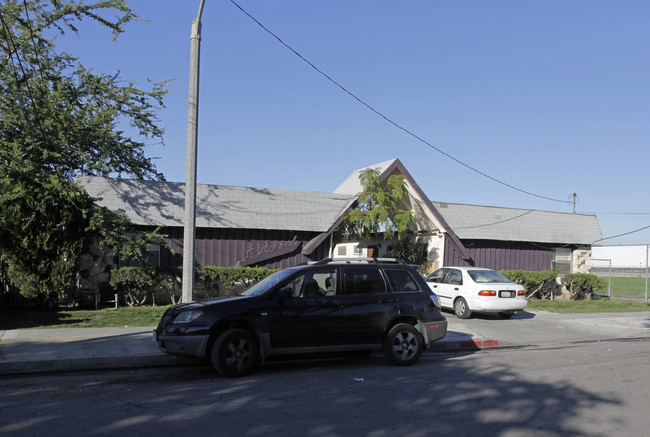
[333,305]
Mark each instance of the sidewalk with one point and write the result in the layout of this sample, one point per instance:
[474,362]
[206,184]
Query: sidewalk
[66,349]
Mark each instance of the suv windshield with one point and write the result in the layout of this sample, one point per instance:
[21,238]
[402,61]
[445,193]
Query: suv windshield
[484,276]
[267,283]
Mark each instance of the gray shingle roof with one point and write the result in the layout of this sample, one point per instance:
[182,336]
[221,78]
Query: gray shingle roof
[510,224]
[352,185]
[162,203]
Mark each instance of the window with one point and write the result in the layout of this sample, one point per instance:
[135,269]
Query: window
[454,277]
[437,276]
[341,250]
[314,284]
[358,250]
[561,260]
[363,281]
[401,280]
[152,261]
[486,276]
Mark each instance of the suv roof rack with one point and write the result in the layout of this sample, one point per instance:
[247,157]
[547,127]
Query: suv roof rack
[359,260]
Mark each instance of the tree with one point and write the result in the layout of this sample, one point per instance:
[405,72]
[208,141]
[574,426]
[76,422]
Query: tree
[411,251]
[58,120]
[379,208]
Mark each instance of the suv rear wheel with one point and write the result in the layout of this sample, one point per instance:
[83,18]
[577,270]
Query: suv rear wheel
[403,345]
[235,353]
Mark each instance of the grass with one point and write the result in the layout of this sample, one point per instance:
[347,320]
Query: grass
[627,287]
[23,318]
[588,306]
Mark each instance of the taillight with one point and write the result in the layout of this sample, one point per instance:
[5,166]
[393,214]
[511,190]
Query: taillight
[521,293]
[487,293]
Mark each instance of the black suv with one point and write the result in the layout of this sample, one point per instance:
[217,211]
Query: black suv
[333,305]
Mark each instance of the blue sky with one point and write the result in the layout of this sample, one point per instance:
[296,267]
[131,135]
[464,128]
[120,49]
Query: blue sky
[551,97]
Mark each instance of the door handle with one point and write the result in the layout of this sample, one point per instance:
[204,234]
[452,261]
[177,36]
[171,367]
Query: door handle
[387,301]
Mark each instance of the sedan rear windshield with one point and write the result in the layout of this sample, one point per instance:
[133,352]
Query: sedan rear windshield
[485,276]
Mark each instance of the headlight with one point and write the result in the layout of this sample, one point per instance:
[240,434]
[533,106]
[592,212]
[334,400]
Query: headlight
[187,316]
[434,298]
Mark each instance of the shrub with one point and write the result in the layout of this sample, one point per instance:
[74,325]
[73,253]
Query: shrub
[170,283]
[538,285]
[137,284]
[134,283]
[220,281]
[582,285]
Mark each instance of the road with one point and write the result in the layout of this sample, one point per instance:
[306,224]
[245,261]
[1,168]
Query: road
[588,389]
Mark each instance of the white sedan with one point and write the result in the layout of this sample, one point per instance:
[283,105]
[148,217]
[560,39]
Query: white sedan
[471,289]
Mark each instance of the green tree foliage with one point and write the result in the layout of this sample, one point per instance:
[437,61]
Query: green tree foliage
[380,208]
[412,252]
[58,120]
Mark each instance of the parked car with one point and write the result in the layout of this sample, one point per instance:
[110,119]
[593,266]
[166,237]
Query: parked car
[468,289]
[333,305]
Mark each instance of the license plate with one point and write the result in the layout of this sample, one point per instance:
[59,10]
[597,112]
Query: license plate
[506,294]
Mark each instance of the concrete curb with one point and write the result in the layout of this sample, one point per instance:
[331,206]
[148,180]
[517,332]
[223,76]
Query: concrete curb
[91,363]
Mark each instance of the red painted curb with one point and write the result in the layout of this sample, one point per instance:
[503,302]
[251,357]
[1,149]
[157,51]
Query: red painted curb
[472,344]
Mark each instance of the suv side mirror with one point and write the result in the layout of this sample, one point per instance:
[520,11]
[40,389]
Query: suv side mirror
[284,293]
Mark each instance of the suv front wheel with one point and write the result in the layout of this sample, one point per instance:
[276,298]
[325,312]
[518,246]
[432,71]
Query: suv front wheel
[403,345]
[235,353]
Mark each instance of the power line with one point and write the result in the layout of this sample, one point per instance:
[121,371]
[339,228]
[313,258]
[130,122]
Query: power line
[621,235]
[388,119]
[496,223]
[615,213]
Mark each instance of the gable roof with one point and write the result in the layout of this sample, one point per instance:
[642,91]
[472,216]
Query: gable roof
[352,185]
[156,203]
[510,224]
[475,222]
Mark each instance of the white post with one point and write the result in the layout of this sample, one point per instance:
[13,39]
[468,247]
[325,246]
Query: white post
[647,247]
[609,280]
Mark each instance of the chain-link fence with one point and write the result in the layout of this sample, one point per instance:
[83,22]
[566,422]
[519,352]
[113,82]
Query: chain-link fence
[623,281]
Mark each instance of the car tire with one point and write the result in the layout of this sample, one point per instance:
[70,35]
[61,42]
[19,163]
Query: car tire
[506,314]
[235,353]
[461,309]
[403,345]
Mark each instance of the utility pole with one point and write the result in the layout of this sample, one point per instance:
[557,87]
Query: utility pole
[575,197]
[189,230]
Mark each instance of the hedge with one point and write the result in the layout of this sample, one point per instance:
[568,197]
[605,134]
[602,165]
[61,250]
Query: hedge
[544,285]
[141,285]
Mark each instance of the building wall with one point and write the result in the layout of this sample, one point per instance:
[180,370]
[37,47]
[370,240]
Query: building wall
[581,260]
[634,256]
[451,255]
[243,247]
[501,255]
